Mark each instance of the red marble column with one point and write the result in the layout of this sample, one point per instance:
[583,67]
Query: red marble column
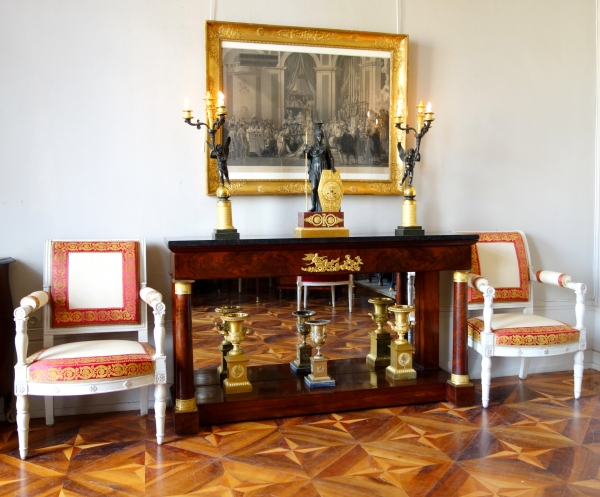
[186,411]
[459,389]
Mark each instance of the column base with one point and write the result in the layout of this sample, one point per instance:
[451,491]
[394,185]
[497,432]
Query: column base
[409,231]
[379,355]
[237,375]
[231,234]
[302,362]
[186,418]
[460,395]
[316,382]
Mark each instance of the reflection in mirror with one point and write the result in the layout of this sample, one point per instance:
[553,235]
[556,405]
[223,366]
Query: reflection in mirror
[270,303]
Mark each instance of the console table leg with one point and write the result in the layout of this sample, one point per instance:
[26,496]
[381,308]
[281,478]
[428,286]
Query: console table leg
[459,389]
[186,411]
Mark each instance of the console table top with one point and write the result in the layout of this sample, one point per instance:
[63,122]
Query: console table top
[175,243]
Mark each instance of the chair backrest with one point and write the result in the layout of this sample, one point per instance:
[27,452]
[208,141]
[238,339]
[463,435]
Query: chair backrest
[502,257]
[94,287]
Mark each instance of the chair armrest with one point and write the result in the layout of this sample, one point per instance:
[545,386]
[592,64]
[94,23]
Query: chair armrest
[32,302]
[564,280]
[151,296]
[480,283]
[154,300]
[553,278]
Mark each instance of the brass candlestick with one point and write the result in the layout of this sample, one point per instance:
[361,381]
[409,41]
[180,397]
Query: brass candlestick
[225,345]
[237,360]
[425,117]
[318,376]
[303,350]
[400,367]
[219,151]
[379,355]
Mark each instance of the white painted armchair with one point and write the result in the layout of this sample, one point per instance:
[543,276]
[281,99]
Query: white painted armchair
[500,279]
[91,287]
[304,282]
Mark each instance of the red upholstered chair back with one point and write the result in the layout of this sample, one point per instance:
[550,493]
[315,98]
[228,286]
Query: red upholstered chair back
[94,287]
[503,259]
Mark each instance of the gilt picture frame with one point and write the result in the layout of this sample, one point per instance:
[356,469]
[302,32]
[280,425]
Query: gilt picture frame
[279,81]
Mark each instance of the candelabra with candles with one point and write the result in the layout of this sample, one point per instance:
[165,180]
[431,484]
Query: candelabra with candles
[224,229]
[409,225]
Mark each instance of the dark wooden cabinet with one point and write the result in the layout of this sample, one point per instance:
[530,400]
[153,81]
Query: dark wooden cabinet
[7,337]
[204,258]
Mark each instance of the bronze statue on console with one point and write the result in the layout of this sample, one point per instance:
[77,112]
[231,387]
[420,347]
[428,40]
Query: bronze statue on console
[221,153]
[319,159]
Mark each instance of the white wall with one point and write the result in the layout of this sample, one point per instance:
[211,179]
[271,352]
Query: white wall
[92,144]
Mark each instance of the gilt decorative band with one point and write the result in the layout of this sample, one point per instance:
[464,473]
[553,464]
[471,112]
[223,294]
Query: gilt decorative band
[460,379]
[322,265]
[321,219]
[185,405]
[461,276]
[183,287]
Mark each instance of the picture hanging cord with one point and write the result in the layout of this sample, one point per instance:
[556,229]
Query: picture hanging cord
[213,6]
[397,17]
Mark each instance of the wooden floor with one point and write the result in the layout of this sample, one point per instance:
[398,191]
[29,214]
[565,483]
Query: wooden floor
[535,439]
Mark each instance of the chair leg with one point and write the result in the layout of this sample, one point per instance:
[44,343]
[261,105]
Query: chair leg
[49,407]
[332,296]
[350,295]
[23,424]
[160,404]
[524,368]
[299,296]
[143,401]
[305,295]
[486,378]
[578,373]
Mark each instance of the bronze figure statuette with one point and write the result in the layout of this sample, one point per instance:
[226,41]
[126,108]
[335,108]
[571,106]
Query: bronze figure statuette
[303,350]
[400,367]
[225,345]
[237,360]
[379,355]
[318,376]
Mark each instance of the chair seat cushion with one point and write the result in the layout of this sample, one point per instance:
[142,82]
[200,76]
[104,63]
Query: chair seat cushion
[525,330]
[92,360]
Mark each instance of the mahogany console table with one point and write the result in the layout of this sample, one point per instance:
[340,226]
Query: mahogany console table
[199,397]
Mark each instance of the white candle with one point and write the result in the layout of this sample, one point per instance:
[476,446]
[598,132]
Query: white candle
[221,100]
[186,104]
[428,108]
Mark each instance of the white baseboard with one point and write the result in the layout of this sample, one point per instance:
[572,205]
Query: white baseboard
[596,360]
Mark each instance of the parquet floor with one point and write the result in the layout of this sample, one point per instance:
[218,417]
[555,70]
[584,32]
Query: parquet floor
[535,439]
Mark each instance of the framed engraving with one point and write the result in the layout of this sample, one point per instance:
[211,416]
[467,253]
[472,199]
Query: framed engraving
[278,81]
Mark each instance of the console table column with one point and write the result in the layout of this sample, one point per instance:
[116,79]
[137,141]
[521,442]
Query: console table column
[459,389]
[186,411]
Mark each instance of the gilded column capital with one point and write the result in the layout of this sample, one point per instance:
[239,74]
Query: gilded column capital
[461,276]
[183,287]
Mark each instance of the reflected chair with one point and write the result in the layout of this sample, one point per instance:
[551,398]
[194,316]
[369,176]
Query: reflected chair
[304,282]
[500,279]
[91,287]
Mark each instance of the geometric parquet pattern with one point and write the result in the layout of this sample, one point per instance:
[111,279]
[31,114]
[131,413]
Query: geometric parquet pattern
[274,335]
[534,440]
